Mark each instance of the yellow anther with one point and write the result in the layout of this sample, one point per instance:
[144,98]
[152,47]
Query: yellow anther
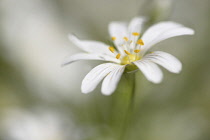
[135,34]
[127,52]
[125,38]
[140,42]
[118,56]
[111,49]
[136,51]
[114,38]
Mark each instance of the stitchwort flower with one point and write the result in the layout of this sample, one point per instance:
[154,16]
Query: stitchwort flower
[128,54]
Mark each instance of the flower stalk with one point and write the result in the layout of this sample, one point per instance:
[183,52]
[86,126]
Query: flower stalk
[131,78]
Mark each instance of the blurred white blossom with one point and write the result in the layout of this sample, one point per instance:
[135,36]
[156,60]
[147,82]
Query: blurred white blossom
[39,125]
[35,43]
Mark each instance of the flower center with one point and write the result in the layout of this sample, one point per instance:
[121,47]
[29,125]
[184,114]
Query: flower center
[132,48]
[128,59]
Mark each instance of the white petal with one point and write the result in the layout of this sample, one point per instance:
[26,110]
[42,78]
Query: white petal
[112,79]
[81,56]
[162,31]
[151,71]
[166,60]
[90,46]
[118,30]
[93,78]
[88,56]
[136,25]
[110,58]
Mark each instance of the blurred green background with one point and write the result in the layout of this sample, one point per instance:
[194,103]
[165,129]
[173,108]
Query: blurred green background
[40,100]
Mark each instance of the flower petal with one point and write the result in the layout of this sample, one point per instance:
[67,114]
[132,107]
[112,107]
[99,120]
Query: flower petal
[90,46]
[112,79]
[151,71]
[166,60]
[136,25]
[119,31]
[93,78]
[162,31]
[87,56]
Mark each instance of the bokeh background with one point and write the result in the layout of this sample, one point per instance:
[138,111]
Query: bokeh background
[40,100]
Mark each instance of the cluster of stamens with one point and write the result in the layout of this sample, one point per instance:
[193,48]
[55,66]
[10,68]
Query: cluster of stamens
[131,48]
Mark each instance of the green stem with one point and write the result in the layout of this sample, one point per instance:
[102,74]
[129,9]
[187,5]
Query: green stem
[127,120]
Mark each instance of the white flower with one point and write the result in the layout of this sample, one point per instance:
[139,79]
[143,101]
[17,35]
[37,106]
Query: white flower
[128,54]
[37,125]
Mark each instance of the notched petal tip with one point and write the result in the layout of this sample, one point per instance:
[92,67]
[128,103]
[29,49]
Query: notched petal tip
[191,31]
[72,36]
[67,63]
[140,19]
[107,93]
[63,64]
[156,82]
[186,31]
[179,68]
[84,91]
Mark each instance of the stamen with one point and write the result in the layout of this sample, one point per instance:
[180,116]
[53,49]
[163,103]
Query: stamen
[114,38]
[135,34]
[136,51]
[118,56]
[125,38]
[127,52]
[140,42]
[111,49]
